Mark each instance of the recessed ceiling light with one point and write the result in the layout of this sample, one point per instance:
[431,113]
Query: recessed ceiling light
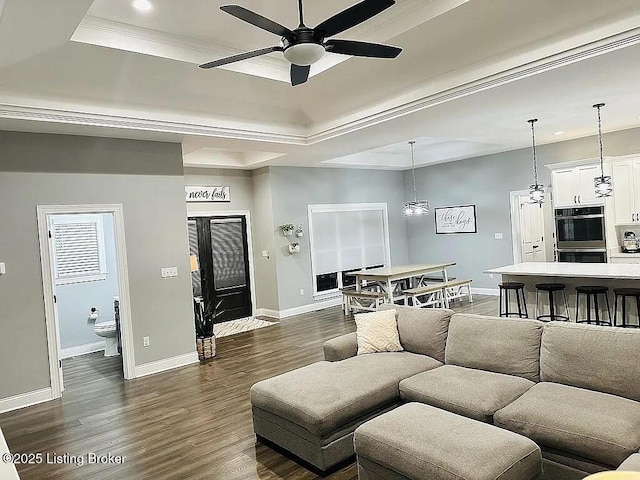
[142,5]
[559,132]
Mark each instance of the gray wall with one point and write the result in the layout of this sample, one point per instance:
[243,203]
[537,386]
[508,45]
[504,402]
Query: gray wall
[294,188]
[264,234]
[146,178]
[486,182]
[74,300]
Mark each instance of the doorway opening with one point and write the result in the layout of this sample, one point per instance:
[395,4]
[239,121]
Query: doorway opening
[529,224]
[85,282]
[220,248]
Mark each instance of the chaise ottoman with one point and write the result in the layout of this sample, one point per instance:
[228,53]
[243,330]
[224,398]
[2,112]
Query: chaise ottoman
[313,411]
[420,442]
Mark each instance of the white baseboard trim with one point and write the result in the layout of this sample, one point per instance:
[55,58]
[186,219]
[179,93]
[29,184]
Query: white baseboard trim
[311,307]
[494,292]
[81,349]
[25,399]
[290,312]
[267,312]
[166,364]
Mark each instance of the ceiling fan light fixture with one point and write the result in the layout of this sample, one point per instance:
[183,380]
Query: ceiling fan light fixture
[304,54]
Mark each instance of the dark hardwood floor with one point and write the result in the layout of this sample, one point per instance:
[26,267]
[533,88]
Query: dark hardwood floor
[189,423]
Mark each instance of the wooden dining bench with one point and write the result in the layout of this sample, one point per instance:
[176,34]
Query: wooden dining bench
[366,300]
[454,289]
[435,295]
[439,293]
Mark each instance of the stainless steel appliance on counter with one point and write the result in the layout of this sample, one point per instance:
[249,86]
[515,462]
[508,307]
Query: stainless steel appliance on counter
[580,235]
[630,244]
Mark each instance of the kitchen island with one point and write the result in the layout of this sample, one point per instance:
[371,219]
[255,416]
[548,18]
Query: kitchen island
[611,275]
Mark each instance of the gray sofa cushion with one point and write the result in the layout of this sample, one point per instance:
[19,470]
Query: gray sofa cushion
[423,330]
[473,393]
[597,426]
[324,396]
[501,345]
[631,464]
[588,356]
[425,443]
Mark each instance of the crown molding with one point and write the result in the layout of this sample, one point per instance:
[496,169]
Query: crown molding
[476,79]
[122,36]
[73,117]
[401,108]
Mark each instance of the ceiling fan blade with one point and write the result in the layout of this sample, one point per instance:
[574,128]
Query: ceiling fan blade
[257,20]
[241,56]
[299,74]
[362,49]
[353,16]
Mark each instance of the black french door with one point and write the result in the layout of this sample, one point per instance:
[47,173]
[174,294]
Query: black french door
[221,248]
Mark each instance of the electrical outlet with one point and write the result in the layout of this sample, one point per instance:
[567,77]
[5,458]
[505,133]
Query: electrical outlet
[167,272]
[3,269]
[302,292]
[498,236]
[265,253]
[145,341]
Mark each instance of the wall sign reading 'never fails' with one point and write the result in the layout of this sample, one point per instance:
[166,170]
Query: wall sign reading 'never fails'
[207,194]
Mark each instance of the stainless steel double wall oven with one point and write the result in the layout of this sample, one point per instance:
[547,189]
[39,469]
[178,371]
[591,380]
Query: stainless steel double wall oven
[580,235]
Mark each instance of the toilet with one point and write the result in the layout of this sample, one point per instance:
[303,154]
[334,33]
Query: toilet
[107,330]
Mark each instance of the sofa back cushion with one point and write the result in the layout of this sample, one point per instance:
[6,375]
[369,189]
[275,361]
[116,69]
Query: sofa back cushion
[604,359]
[501,345]
[423,330]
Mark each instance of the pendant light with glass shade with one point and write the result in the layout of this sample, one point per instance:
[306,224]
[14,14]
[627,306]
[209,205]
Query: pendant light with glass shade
[417,207]
[536,191]
[603,183]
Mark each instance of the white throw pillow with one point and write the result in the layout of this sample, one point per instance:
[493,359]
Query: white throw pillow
[377,332]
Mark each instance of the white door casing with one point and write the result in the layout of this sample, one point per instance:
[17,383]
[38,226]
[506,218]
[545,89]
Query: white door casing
[527,226]
[46,262]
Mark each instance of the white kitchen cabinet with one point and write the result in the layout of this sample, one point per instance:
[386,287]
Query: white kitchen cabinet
[574,187]
[626,191]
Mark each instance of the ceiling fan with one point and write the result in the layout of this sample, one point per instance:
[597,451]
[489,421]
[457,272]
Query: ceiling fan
[304,46]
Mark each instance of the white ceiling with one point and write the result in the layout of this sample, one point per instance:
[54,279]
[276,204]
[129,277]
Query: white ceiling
[471,73]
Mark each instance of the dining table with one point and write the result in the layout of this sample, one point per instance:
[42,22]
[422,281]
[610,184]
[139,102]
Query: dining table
[389,279]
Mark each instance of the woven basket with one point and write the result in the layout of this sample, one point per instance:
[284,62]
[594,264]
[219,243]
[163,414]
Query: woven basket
[206,347]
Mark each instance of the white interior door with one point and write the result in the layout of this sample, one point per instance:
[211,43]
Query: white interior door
[531,230]
[55,302]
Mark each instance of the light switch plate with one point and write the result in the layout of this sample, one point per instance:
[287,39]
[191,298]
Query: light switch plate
[3,268]
[168,272]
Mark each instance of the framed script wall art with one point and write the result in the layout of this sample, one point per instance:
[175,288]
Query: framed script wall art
[460,219]
[207,194]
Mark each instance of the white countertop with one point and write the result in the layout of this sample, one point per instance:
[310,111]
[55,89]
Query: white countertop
[626,271]
[625,255]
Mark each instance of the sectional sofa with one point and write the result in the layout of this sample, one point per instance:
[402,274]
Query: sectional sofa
[572,389]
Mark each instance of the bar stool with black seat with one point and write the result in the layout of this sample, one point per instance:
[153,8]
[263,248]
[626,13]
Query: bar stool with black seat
[517,287]
[550,289]
[624,293]
[591,293]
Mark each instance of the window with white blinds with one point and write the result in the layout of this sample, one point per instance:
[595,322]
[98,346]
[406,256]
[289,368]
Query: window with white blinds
[347,237]
[78,246]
